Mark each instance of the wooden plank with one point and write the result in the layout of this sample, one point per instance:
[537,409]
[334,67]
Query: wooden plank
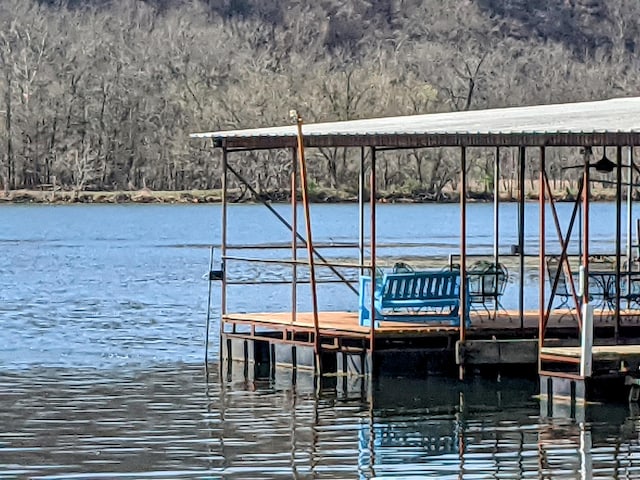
[551,357]
[505,322]
[600,352]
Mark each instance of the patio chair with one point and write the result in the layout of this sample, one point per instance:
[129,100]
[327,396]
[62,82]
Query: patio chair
[401,267]
[487,282]
[554,268]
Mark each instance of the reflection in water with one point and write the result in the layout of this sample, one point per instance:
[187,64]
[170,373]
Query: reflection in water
[171,423]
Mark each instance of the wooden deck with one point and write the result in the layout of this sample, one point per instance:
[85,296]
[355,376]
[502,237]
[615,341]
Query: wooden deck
[600,352]
[491,343]
[333,322]
[346,323]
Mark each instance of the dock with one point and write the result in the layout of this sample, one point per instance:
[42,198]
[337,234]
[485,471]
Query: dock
[580,347]
[269,340]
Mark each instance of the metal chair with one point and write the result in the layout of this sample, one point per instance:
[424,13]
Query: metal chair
[401,267]
[487,282]
[554,268]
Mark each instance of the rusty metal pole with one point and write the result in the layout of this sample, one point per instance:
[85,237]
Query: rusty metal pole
[307,218]
[361,187]
[294,240]
[522,153]
[223,239]
[496,222]
[629,251]
[542,252]
[616,328]
[372,206]
[463,254]
[585,231]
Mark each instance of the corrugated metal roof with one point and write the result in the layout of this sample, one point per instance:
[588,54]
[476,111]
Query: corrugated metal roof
[608,122]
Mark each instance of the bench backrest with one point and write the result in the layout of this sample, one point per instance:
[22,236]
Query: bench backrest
[421,286]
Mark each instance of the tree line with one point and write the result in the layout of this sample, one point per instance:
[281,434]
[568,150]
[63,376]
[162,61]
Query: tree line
[102,96]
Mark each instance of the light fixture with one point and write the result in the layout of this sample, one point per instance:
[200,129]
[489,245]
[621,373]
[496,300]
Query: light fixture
[604,165]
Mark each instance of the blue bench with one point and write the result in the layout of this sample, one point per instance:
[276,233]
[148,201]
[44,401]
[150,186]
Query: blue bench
[426,296]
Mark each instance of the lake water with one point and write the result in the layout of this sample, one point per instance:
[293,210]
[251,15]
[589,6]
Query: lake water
[102,313]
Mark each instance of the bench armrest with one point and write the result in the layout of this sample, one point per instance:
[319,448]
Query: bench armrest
[365,287]
[365,296]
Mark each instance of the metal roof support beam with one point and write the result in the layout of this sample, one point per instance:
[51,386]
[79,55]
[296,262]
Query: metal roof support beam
[463,253]
[294,234]
[361,192]
[629,209]
[399,141]
[223,235]
[310,256]
[496,220]
[542,252]
[522,152]
[586,189]
[372,207]
[616,327]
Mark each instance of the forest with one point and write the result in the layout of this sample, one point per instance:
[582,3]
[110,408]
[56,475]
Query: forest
[102,96]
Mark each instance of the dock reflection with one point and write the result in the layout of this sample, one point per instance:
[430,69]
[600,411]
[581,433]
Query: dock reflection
[439,428]
[173,422]
[592,437]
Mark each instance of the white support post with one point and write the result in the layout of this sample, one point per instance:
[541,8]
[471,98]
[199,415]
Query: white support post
[586,341]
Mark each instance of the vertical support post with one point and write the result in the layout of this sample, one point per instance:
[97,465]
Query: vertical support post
[372,206]
[616,327]
[586,340]
[361,186]
[542,251]
[223,236]
[294,239]
[9,182]
[463,253]
[496,221]
[586,188]
[521,171]
[629,210]
[586,451]
[206,337]
[310,254]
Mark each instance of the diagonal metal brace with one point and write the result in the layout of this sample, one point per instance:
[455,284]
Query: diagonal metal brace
[288,225]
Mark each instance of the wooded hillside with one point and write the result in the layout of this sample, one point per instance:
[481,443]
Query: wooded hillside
[102,96]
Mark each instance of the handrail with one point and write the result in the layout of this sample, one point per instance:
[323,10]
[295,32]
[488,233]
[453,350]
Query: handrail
[294,262]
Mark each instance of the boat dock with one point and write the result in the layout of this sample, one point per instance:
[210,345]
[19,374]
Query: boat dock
[582,335]
[269,340]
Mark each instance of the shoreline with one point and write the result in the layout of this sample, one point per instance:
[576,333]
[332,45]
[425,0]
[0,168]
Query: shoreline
[23,196]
